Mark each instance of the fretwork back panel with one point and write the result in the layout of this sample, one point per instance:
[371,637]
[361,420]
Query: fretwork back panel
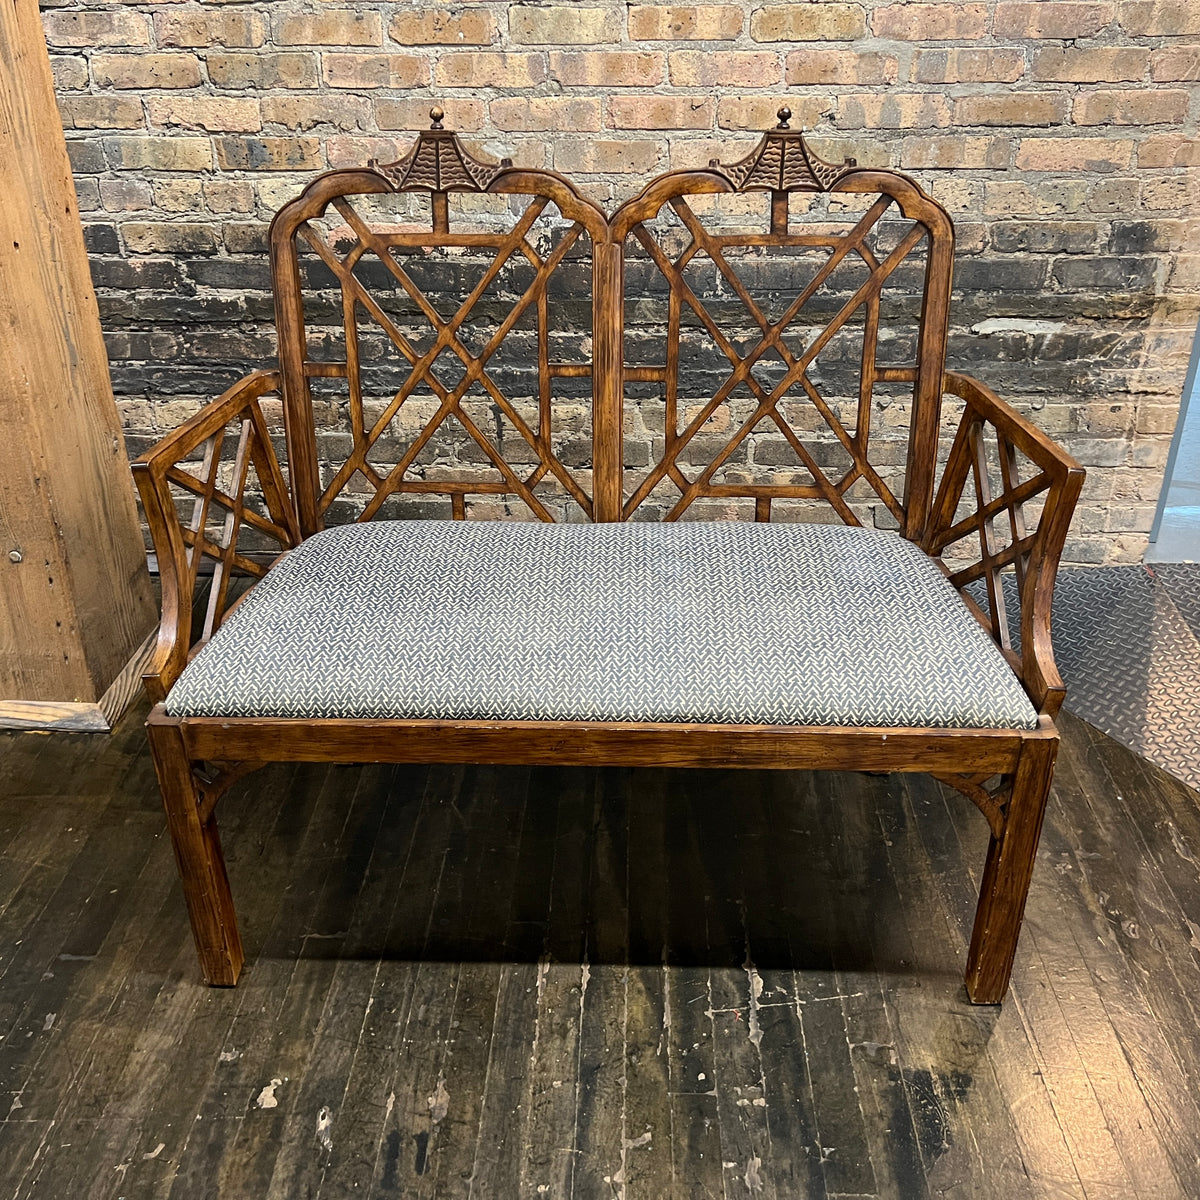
[762,338]
[771,366]
[448,368]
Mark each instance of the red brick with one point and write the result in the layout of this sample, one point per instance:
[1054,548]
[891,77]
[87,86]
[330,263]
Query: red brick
[691,22]
[466,115]
[375,70]
[1169,150]
[608,68]
[101,112]
[1012,108]
[1160,18]
[207,28]
[893,111]
[268,153]
[762,112]
[594,156]
[1157,106]
[948,152]
[968,66]
[826,22]
[661,112]
[263,71]
[146,70]
[930,22]
[489,69]
[537,114]
[736,68]
[1074,154]
[95,27]
[1051,18]
[839,67]
[437,27]
[1107,64]
[1175,64]
[330,27]
[555,25]
[219,114]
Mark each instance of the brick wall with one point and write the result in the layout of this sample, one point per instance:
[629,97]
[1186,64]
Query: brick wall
[1060,133]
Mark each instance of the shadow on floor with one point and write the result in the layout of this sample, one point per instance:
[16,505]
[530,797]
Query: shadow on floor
[503,982]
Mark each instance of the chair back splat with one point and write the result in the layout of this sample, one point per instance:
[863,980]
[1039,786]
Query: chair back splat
[756,341]
[539,337]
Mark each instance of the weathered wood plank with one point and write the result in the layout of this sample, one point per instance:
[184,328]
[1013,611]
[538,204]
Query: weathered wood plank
[815,922]
[647,1119]
[489,870]
[1041,1159]
[600,1137]
[75,597]
[563,970]
[506,1096]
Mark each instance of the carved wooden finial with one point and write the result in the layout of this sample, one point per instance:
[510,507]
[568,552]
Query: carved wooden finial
[439,162]
[782,162]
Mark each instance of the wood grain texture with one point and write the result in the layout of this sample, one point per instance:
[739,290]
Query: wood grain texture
[75,597]
[597,743]
[780,165]
[482,981]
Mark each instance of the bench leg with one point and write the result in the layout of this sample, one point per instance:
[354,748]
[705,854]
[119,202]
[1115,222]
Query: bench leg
[199,858]
[1007,874]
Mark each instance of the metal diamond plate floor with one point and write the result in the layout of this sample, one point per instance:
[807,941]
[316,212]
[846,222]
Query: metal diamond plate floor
[1127,641]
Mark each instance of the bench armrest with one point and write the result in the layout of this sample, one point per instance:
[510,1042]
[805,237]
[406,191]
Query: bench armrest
[195,486]
[991,441]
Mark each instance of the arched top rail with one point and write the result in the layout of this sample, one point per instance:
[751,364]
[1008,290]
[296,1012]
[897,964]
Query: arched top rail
[783,163]
[438,164]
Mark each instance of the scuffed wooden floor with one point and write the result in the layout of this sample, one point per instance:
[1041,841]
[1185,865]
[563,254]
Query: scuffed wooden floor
[501,982]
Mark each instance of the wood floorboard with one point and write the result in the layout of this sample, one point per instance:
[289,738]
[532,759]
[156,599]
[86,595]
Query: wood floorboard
[558,982]
[955,847]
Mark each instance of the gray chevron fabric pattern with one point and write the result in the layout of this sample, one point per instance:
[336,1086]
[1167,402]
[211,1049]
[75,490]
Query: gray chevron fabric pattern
[722,623]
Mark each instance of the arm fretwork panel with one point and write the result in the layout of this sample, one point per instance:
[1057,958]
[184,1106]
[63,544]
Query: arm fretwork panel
[441,364]
[999,523]
[771,371]
[216,502]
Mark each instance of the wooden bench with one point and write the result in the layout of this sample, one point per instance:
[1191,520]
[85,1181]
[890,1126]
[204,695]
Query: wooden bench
[908,629]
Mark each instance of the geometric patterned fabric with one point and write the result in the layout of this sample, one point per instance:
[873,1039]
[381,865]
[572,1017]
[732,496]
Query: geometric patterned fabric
[711,622]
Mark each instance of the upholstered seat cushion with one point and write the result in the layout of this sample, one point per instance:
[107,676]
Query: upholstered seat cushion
[710,622]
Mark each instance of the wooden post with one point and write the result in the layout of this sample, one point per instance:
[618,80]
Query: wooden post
[76,605]
[608,350]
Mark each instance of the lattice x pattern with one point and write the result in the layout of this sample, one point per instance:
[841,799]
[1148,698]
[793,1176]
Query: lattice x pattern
[213,493]
[438,350]
[1003,507]
[782,345]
